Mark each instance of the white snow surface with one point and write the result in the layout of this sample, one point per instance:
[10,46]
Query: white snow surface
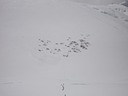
[36,59]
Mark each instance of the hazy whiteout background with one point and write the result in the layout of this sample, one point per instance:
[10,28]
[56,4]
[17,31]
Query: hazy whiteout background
[63,48]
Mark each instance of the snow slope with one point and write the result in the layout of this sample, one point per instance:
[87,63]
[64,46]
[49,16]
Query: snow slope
[61,48]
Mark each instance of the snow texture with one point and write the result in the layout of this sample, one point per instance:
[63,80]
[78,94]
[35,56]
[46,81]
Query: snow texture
[63,48]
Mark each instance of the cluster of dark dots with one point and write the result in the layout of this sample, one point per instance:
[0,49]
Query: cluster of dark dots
[64,48]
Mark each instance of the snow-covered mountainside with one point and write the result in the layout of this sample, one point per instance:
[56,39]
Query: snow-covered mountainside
[125,3]
[118,11]
[63,48]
